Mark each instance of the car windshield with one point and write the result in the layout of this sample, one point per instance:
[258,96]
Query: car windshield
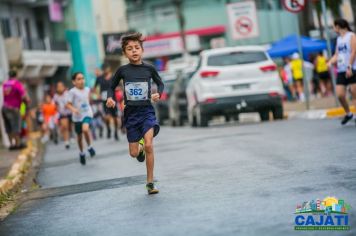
[236,58]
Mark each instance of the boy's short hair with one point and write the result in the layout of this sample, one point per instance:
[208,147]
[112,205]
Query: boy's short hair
[74,76]
[131,37]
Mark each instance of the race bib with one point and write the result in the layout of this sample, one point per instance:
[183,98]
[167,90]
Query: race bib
[341,60]
[104,95]
[84,107]
[136,91]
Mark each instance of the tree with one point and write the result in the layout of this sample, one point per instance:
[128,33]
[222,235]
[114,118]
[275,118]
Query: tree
[332,5]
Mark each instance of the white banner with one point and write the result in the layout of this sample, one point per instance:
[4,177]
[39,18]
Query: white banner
[170,46]
[243,20]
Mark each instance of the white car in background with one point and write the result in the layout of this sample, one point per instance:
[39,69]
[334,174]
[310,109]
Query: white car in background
[232,80]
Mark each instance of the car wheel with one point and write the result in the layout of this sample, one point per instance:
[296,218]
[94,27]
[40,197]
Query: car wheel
[202,119]
[277,113]
[264,115]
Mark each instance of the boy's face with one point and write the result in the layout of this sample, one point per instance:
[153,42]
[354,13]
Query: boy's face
[79,81]
[133,51]
[60,88]
[48,99]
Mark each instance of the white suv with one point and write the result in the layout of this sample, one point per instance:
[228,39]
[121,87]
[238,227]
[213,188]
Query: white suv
[229,81]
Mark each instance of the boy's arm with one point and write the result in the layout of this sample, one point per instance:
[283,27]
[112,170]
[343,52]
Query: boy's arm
[157,79]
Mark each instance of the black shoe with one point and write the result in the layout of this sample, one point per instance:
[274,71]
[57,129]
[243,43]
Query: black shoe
[141,156]
[91,152]
[109,134]
[67,146]
[82,159]
[116,136]
[346,119]
[151,189]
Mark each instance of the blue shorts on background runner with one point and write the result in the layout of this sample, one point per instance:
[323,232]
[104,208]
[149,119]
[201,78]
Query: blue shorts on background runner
[138,120]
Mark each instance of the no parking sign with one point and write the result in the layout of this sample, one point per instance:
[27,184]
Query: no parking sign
[294,6]
[243,20]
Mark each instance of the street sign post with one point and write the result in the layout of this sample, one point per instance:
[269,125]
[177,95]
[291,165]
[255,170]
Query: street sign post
[243,20]
[296,6]
[328,43]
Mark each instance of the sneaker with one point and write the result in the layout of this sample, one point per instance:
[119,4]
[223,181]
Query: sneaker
[346,119]
[151,189]
[67,146]
[91,152]
[82,159]
[141,156]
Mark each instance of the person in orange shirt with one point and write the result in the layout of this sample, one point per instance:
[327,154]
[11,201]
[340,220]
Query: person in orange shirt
[49,112]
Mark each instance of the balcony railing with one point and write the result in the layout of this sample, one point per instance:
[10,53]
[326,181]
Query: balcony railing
[44,45]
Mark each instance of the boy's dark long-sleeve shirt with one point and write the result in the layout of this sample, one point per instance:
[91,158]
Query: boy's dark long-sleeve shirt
[137,83]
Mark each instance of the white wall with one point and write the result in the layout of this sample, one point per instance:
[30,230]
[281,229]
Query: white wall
[110,17]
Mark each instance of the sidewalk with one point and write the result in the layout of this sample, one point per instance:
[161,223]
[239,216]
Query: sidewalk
[320,108]
[7,159]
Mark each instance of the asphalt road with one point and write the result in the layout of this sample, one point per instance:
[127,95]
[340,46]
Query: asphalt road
[222,180]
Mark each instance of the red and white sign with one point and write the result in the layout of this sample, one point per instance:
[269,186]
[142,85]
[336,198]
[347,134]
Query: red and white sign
[294,6]
[243,20]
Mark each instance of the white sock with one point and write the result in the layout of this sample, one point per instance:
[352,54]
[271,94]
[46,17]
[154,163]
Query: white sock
[90,147]
[81,153]
[350,114]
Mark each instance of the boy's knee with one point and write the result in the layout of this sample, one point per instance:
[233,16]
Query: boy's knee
[133,153]
[148,147]
[85,128]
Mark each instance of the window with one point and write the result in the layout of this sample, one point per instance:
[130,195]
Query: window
[236,58]
[5,27]
[18,27]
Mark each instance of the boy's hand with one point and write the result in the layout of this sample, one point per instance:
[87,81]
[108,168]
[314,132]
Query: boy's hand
[110,103]
[75,111]
[155,97]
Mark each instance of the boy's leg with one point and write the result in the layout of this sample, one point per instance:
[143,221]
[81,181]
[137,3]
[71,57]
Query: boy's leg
[134,149]
[86,132]
[148,137]
[80,142]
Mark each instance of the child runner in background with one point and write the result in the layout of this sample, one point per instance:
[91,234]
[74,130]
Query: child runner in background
[65,115]
[49,112]
[79,104]
[139,116]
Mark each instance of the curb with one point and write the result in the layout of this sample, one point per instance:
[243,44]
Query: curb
[338,111]
[18,170]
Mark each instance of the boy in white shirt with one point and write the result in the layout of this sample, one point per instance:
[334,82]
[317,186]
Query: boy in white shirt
[79,104]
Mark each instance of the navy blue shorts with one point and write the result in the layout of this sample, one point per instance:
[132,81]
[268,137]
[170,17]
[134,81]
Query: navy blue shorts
[138,120]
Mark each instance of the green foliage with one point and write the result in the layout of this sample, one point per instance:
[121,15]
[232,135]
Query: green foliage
[333,5]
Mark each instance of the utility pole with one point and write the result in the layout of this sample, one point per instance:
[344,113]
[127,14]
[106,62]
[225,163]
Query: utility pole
[181,21]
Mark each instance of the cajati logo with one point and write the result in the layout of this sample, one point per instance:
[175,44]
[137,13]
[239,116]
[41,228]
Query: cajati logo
[328,214]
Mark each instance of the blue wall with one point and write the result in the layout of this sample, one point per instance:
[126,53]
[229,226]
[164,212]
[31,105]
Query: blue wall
[83,41]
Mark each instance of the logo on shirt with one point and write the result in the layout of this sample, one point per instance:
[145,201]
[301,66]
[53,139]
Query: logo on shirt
[342,48]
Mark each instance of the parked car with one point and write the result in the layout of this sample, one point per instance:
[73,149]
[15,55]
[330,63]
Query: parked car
[161,107]
[178,112]
[233,80]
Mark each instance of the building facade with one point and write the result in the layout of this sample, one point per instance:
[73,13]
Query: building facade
[35,44]
[206,23]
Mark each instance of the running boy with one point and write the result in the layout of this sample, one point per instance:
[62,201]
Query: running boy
[61,98]
[139,115]
[79,104]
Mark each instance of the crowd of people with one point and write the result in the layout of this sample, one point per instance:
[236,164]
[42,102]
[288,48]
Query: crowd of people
[293,76]
[342,65]
[120,101]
